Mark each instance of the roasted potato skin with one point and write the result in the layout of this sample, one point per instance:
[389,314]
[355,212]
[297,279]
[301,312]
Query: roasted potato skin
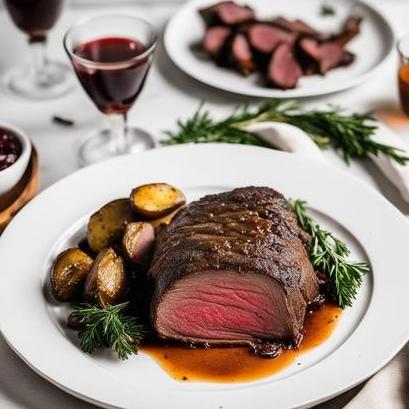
[165,220]
[106,282]
[68,274]
[107,225]
[138,243]
[156,200]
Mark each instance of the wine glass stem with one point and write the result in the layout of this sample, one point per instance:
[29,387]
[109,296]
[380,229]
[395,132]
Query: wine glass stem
[39,61]
[118,129]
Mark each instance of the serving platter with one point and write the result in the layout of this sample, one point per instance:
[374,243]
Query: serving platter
[365,339]
[372,46]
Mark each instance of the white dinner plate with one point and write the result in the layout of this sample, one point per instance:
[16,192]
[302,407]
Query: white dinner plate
[371,47]
[368,335]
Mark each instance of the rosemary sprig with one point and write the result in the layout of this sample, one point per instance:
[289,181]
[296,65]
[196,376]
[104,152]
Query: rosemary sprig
[329,255]
[108,327]
[351,134]
[201,128]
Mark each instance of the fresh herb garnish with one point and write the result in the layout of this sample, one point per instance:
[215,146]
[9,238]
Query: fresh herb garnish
[329,255]
[351,134]
[110,327]
[201,128]
[327,10]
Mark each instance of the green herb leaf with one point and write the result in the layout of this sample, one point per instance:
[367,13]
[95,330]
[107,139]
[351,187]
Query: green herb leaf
[350,134]
[329,255]
[327,10]
[108,327]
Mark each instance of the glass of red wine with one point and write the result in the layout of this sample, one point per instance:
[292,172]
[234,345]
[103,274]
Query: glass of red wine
[111,56]
[43,78]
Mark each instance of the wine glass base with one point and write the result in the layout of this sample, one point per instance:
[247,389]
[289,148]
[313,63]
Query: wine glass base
[101,145]
[57,80]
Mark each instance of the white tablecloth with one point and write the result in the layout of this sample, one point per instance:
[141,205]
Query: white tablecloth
[168,94]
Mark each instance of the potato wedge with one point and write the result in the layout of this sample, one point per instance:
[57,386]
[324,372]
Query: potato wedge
[165,220]
[138,243]
[156,200]
[107,225]
[105,283]
[68,274]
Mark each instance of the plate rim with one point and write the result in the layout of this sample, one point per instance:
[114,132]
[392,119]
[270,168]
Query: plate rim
[276,93]
[199,148]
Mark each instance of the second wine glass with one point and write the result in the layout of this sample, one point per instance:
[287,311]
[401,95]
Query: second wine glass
[111,56]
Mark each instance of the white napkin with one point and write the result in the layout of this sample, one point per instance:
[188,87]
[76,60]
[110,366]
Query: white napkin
[289,138]
[397,174]
[389,388]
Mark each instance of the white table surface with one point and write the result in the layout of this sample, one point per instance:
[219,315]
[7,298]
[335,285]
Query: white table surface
[168,95]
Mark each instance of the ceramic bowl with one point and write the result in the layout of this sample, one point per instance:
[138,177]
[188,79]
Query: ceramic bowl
[10,176]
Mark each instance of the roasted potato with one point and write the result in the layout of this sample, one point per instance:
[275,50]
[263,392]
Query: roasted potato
[138,243]
[68,274]
[105,282]
[164,220]
[156,200]
[107,225]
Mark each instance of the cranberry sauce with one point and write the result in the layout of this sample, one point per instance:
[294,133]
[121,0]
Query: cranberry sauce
[10,148]
[34,17]
[113,88]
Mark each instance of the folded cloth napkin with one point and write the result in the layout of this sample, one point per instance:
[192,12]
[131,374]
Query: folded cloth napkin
[397,174]
[389,388]
[289,138]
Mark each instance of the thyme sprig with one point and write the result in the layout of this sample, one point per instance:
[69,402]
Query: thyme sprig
[110,327]
[329,255]
[350,134]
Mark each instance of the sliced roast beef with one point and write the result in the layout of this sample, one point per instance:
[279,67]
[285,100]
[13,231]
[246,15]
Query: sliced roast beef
[227,13]
[241,55]
[306,50]
[264,38]
[284,70]
[324,55]
[295,26]
[232,268]
[347,59]
[351,29]
[215,39]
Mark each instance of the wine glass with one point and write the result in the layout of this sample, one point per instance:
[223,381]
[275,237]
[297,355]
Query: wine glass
[111,56]
[43,78]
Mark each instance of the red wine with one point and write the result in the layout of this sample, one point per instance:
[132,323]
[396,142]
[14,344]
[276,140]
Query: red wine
[10,148]
[113,88]
[34,17]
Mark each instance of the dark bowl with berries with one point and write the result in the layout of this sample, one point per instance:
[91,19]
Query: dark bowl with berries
[15,152]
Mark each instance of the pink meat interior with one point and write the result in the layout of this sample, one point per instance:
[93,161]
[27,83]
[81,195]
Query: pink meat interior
[224,305]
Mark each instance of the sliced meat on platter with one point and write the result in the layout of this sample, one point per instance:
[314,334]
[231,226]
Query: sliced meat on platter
[236,39]
[324,56]
[295,26]
[242,57]
[215,39]
[228,13]
[284,70]
[265,38]
[351,29]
